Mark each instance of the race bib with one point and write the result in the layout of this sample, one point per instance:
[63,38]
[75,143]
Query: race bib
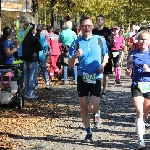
[89,78]
[115,54]
[144,87]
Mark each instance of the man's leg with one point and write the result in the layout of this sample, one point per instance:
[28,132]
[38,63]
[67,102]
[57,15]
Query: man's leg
[65,73]
[56,69]
[33,68]
[84,111]
[26,78]
[107,71]
[83,91]
[105,83]
[45,74]
[95,91]
[94,107]
[22,76]
[51,66]
[94,104]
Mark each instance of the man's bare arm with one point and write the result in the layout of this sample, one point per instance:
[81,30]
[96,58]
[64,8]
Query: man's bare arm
[72,61]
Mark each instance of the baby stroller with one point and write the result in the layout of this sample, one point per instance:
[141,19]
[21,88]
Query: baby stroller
[10,92]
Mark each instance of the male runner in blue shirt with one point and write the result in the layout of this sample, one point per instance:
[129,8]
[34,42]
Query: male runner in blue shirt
[91,49]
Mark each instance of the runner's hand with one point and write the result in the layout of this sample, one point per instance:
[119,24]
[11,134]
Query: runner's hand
[101,68]
[78,53]
[146,68]
[128,72]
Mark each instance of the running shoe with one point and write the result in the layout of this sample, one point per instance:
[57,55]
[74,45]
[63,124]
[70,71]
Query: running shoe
[117,81]
[102,96]
[88,138]
[48,87]
[32,96]
[97,120]
[141,145]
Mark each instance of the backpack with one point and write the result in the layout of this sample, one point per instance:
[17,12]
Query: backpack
[2,57]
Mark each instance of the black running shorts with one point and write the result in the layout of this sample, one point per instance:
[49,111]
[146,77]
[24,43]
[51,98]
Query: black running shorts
[136,92]
[84,88]
[117,59]
[108,67]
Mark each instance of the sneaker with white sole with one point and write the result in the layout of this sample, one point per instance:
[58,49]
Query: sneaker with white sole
[97,120]
[103,98]
[33,96]
[141,145]
[48,87]
[88,138]
[36,87]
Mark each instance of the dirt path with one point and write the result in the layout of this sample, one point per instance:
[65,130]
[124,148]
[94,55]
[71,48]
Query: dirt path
[53,122]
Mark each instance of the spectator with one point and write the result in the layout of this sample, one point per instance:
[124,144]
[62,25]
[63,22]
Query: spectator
[9,50]
[42,57]
[30,54]
[55,51]
[66,37]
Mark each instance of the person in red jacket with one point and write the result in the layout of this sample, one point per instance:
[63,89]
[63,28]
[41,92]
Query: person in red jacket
[55,51]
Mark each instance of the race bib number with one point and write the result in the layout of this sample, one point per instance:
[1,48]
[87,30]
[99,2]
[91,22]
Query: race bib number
[115,54]
[144,87]
[89,78]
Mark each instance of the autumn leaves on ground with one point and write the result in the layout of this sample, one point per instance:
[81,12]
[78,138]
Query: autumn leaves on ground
[38,119]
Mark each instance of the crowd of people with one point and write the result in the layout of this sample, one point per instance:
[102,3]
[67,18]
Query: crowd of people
[88,54]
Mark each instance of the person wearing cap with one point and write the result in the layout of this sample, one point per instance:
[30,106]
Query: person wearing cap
[30,55]
[117,53]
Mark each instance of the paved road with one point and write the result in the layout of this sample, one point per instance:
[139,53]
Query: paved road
[53,122]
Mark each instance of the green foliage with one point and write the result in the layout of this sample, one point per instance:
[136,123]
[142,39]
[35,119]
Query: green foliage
[116,12]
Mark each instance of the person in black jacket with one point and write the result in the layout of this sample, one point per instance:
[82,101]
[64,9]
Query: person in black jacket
[108,35]
[30,54]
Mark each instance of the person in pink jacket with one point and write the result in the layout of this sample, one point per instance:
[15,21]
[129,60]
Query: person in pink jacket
[117,53]
[55,51]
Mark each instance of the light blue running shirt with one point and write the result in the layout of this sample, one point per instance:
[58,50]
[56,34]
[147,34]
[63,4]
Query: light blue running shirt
[91,58]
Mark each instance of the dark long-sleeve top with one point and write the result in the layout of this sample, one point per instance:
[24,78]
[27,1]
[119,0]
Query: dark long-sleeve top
[30,48]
